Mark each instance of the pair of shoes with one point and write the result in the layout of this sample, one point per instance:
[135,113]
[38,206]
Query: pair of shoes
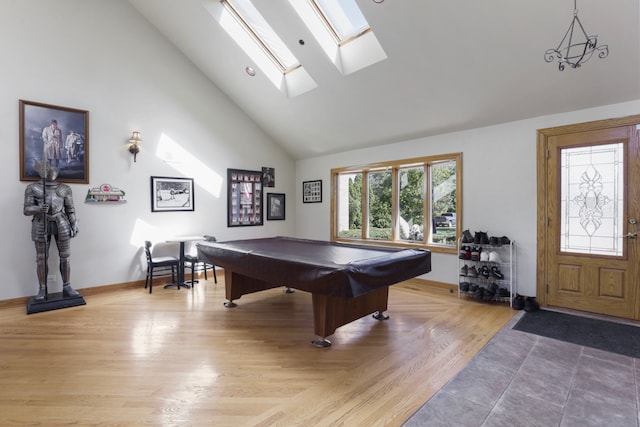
[531,304]
[464,287]
[518,302]
[475,253]
[467,237]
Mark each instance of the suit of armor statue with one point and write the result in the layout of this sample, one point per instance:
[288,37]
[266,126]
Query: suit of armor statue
[53,214]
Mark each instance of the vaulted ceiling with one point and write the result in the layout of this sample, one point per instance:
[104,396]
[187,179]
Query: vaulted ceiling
[451,65]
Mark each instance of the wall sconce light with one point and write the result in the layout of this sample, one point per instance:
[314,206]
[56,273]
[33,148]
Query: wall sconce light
[135,140]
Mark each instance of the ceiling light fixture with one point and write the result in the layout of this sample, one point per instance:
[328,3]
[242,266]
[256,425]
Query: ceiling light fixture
[575,50]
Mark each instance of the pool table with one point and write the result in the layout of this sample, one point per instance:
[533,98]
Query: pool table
[346,281]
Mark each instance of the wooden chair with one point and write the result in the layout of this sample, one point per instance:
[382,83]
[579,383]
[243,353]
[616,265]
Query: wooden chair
[198,264]
[159,265]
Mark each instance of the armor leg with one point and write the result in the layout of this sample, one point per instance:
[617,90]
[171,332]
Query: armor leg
[42,270]
[64,250]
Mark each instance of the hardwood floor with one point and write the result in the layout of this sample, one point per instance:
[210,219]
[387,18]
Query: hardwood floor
[179,357]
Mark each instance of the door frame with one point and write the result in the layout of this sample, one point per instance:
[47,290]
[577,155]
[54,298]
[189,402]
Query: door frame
[542,151]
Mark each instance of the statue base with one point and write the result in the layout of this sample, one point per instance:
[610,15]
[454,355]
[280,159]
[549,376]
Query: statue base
[53,301]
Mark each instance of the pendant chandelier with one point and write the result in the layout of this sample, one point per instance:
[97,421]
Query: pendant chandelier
[576,47]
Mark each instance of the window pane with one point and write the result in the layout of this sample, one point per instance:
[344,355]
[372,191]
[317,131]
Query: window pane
[411,201]
[380,205]
[345,17]
[443,202]
[349,215]
[591,199]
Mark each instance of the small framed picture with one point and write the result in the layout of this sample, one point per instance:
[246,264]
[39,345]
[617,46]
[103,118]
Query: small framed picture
[171,194]
[312,191]
[55,135]
[275,206]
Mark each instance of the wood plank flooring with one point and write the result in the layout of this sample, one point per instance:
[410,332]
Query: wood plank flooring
[180,358]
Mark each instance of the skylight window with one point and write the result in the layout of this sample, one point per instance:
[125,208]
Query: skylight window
[262,33]
[344,19]
[342,31]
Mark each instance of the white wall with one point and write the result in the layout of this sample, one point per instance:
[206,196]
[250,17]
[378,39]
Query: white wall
[102,56]
[499,183]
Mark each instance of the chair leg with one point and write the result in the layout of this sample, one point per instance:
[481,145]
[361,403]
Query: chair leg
[151,281]
[215,278]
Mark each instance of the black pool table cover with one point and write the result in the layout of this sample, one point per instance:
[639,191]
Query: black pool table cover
[330,268]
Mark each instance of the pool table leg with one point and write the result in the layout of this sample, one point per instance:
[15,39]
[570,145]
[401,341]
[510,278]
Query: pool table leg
[330,312]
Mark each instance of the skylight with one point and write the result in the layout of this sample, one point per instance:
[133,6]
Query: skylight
[262,33]
[343,19]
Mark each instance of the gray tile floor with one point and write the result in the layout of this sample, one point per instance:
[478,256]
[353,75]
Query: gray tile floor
[521,379]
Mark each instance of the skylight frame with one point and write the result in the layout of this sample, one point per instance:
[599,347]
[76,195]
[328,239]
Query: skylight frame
[336,8]
[251,25]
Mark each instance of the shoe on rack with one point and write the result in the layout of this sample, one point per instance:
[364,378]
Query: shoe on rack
[485,272]
[484,238]
[518,302]
[475,253]
[530,304]
[495,272]
[473,272]
[479,292]
[467,237]
[494,241]
[465,252]
[476,237]
[464,270]
[504,292]
[464,287]
[484,256]
[494,256]
[504,240]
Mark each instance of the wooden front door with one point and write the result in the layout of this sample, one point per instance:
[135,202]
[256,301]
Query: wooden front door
[589,217]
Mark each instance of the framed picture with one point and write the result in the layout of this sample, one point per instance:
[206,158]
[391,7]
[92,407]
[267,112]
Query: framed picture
[57,135]
[244,198]
[312,191]
[275,206]
[171,194]
[268,177]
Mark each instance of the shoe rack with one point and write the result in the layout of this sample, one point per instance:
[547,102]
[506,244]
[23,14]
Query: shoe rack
[487,270]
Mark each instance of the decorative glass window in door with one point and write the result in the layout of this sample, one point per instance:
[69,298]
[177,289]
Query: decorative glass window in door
[591,199]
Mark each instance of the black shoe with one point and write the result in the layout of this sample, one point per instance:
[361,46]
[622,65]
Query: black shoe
[494,241]
[464,287]
[503,292]
[504,240]
[495,272]
[531,304]
[518,302]
[475,253]
[484,238]
[485,271]
[473,287]
[467,237]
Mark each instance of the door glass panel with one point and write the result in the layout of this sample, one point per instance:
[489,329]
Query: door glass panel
[592,199]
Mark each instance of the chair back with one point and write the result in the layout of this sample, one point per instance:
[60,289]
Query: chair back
[147,251]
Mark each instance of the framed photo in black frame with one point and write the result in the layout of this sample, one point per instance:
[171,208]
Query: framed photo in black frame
[171,194]
[312,191]
[275,206]
[57,135]
[244,198]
